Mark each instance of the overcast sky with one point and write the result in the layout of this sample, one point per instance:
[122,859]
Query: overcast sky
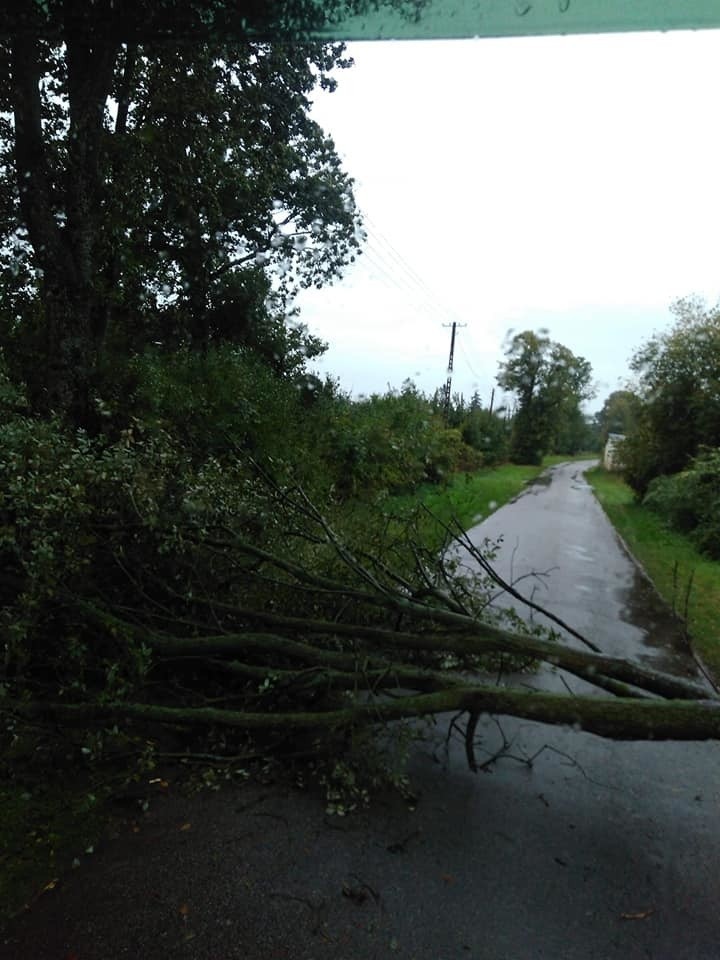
[570,183]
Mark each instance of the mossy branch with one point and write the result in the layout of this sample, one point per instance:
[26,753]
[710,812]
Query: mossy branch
[619,719]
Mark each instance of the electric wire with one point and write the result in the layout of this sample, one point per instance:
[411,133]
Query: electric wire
[467,360]
[398,283]
[382,243]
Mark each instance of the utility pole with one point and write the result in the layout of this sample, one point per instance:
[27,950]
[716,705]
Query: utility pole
[448,385]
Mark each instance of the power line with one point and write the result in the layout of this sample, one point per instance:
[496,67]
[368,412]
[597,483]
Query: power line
[407,270]
[467,361]
[398,282]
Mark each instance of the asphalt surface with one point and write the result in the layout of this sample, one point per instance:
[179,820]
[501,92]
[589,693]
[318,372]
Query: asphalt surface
[561,551]
[595,850]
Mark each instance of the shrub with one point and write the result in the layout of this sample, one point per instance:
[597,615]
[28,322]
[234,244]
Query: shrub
[488,434]
[392,442]
[690,501]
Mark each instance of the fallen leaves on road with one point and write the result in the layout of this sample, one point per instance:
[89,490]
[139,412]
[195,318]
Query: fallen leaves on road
[640,915]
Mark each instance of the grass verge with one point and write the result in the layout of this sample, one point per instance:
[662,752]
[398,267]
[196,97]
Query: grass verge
[471,497]
[688,581]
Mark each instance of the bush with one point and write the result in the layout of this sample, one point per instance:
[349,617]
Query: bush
[690,501]
[488,434]
[640,457]
[391,443]
[680,402]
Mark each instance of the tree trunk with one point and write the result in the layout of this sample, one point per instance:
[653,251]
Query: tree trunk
[64,372]
[619,719]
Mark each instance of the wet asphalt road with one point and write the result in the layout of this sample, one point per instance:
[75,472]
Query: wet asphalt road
[599,850]
[558,531]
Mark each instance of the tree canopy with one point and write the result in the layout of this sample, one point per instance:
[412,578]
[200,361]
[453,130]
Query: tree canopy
[679,385]
[619,414]
[194,20]
[549,382]
[158,193]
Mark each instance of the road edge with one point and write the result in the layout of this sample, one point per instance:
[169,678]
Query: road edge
[702,666]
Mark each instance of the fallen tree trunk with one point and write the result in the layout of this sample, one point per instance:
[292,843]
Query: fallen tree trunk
[616,718]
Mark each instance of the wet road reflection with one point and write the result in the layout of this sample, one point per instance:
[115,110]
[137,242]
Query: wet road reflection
[559,545]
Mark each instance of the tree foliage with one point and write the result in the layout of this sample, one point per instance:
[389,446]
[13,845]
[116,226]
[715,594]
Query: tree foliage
[192,20]
[679,385]
[549,382]
[486,432]
[619,414]
[392,442]
[158,193]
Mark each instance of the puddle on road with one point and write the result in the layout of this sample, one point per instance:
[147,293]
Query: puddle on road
[544,480]
[535,486]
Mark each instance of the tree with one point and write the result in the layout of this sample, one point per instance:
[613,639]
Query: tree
[195,20]
[619,414]
[549,382]
[295,639]
[577,433]
[150,579]
[679,386]
[146,188]
[486,432]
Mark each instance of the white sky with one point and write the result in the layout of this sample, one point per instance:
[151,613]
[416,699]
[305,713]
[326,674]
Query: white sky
[571,183]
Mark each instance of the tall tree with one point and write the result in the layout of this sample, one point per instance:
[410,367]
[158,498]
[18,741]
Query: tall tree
[549,382]
[143,188]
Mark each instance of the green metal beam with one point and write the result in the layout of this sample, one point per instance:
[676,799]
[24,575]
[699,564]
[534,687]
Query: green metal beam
[509,18]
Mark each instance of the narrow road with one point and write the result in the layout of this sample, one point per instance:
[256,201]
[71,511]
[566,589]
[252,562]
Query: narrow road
[564,554]
[595,851]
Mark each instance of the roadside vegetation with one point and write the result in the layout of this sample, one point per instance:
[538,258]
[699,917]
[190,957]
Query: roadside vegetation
[688,580]
[465,499]
[668,508]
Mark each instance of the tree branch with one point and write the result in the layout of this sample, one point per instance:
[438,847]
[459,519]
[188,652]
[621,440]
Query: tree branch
[616,718]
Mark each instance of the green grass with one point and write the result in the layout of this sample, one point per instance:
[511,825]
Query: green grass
[555,458]
[466,497]
[471,497]
[688,581]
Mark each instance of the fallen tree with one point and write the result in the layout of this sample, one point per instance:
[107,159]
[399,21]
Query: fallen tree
[306,640]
